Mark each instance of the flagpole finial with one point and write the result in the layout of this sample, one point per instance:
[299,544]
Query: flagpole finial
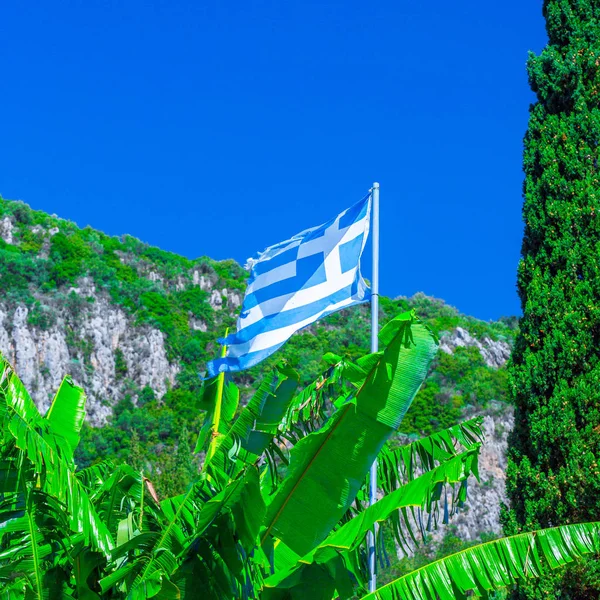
[376,185]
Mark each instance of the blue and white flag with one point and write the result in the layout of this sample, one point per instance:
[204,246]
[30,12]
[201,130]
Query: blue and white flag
[296,282]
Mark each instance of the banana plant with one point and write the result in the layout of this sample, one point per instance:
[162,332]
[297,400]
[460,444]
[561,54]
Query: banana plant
[45,509]
[278,510]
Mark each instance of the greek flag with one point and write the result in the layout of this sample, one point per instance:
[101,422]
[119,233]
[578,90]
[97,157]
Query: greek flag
[296,282]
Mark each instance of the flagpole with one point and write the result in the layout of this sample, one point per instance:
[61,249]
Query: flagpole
[374,348]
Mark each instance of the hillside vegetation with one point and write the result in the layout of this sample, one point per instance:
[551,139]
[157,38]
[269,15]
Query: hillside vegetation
[58,271]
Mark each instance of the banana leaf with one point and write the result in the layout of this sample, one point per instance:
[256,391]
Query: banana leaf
[255,427]
[399,465]
[423,492]
[327,468]
[307,412]
[225,532]
[396,466]
[192,523]
[50,455]
[86,566]
[121,497]
[67,412]
[309,408]
[94,476]
[481,569]
[16,588]
[29,538]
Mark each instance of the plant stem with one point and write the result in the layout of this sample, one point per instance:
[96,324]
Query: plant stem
[217,412]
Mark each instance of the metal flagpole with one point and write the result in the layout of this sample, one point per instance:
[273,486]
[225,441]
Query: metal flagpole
[374,348]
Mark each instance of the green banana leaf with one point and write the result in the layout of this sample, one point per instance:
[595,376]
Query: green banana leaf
[309,408]
[67,412]
[399,465]
[192,522]
[17,588]
[29,537]
[121,497]
[494,565]
[86,566]
[255,427]
[327,468]
[34,438]
[397,374]
[396,466]
[306,413]
[422,492]
[225,531]
[94,476]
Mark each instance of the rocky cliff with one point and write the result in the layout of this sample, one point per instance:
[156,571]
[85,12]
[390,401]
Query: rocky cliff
[87,351]
[481,513]
[495,353]
[117,315]
[95,341]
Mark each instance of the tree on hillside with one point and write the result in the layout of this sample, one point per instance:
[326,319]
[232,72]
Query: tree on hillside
[553,473]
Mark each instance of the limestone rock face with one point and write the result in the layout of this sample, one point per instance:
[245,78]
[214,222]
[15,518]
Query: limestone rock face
[216,300]
[481,513]
[204,281]
[219,299]
[85,344]
[6,230]
[85,347]
[234,299]
[494,353]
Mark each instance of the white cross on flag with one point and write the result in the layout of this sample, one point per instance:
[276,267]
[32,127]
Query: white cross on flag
[296,282]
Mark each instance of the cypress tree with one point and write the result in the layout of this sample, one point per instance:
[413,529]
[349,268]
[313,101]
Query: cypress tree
[553,475]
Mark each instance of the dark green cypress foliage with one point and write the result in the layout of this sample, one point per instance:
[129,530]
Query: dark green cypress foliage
[553,474]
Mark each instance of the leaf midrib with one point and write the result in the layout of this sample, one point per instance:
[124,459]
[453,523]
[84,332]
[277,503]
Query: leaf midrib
[34,550]
[303,474]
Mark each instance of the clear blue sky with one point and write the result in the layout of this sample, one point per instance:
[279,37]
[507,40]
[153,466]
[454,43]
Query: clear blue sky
[218,128]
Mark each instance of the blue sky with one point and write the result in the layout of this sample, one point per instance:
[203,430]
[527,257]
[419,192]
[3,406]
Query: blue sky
[219,128]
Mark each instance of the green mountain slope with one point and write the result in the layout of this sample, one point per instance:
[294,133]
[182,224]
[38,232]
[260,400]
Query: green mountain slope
[135,325]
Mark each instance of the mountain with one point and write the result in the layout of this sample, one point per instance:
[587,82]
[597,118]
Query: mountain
[116,314]
[135,325]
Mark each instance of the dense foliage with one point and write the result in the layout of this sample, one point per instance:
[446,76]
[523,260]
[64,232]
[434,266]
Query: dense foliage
[553,474]
[47,259]
[278,511]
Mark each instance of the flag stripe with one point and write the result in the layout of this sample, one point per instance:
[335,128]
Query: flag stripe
[280,260]
[296,300]
[310,271]
[233,363]
[285,318]
[276,336]
[239,361]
